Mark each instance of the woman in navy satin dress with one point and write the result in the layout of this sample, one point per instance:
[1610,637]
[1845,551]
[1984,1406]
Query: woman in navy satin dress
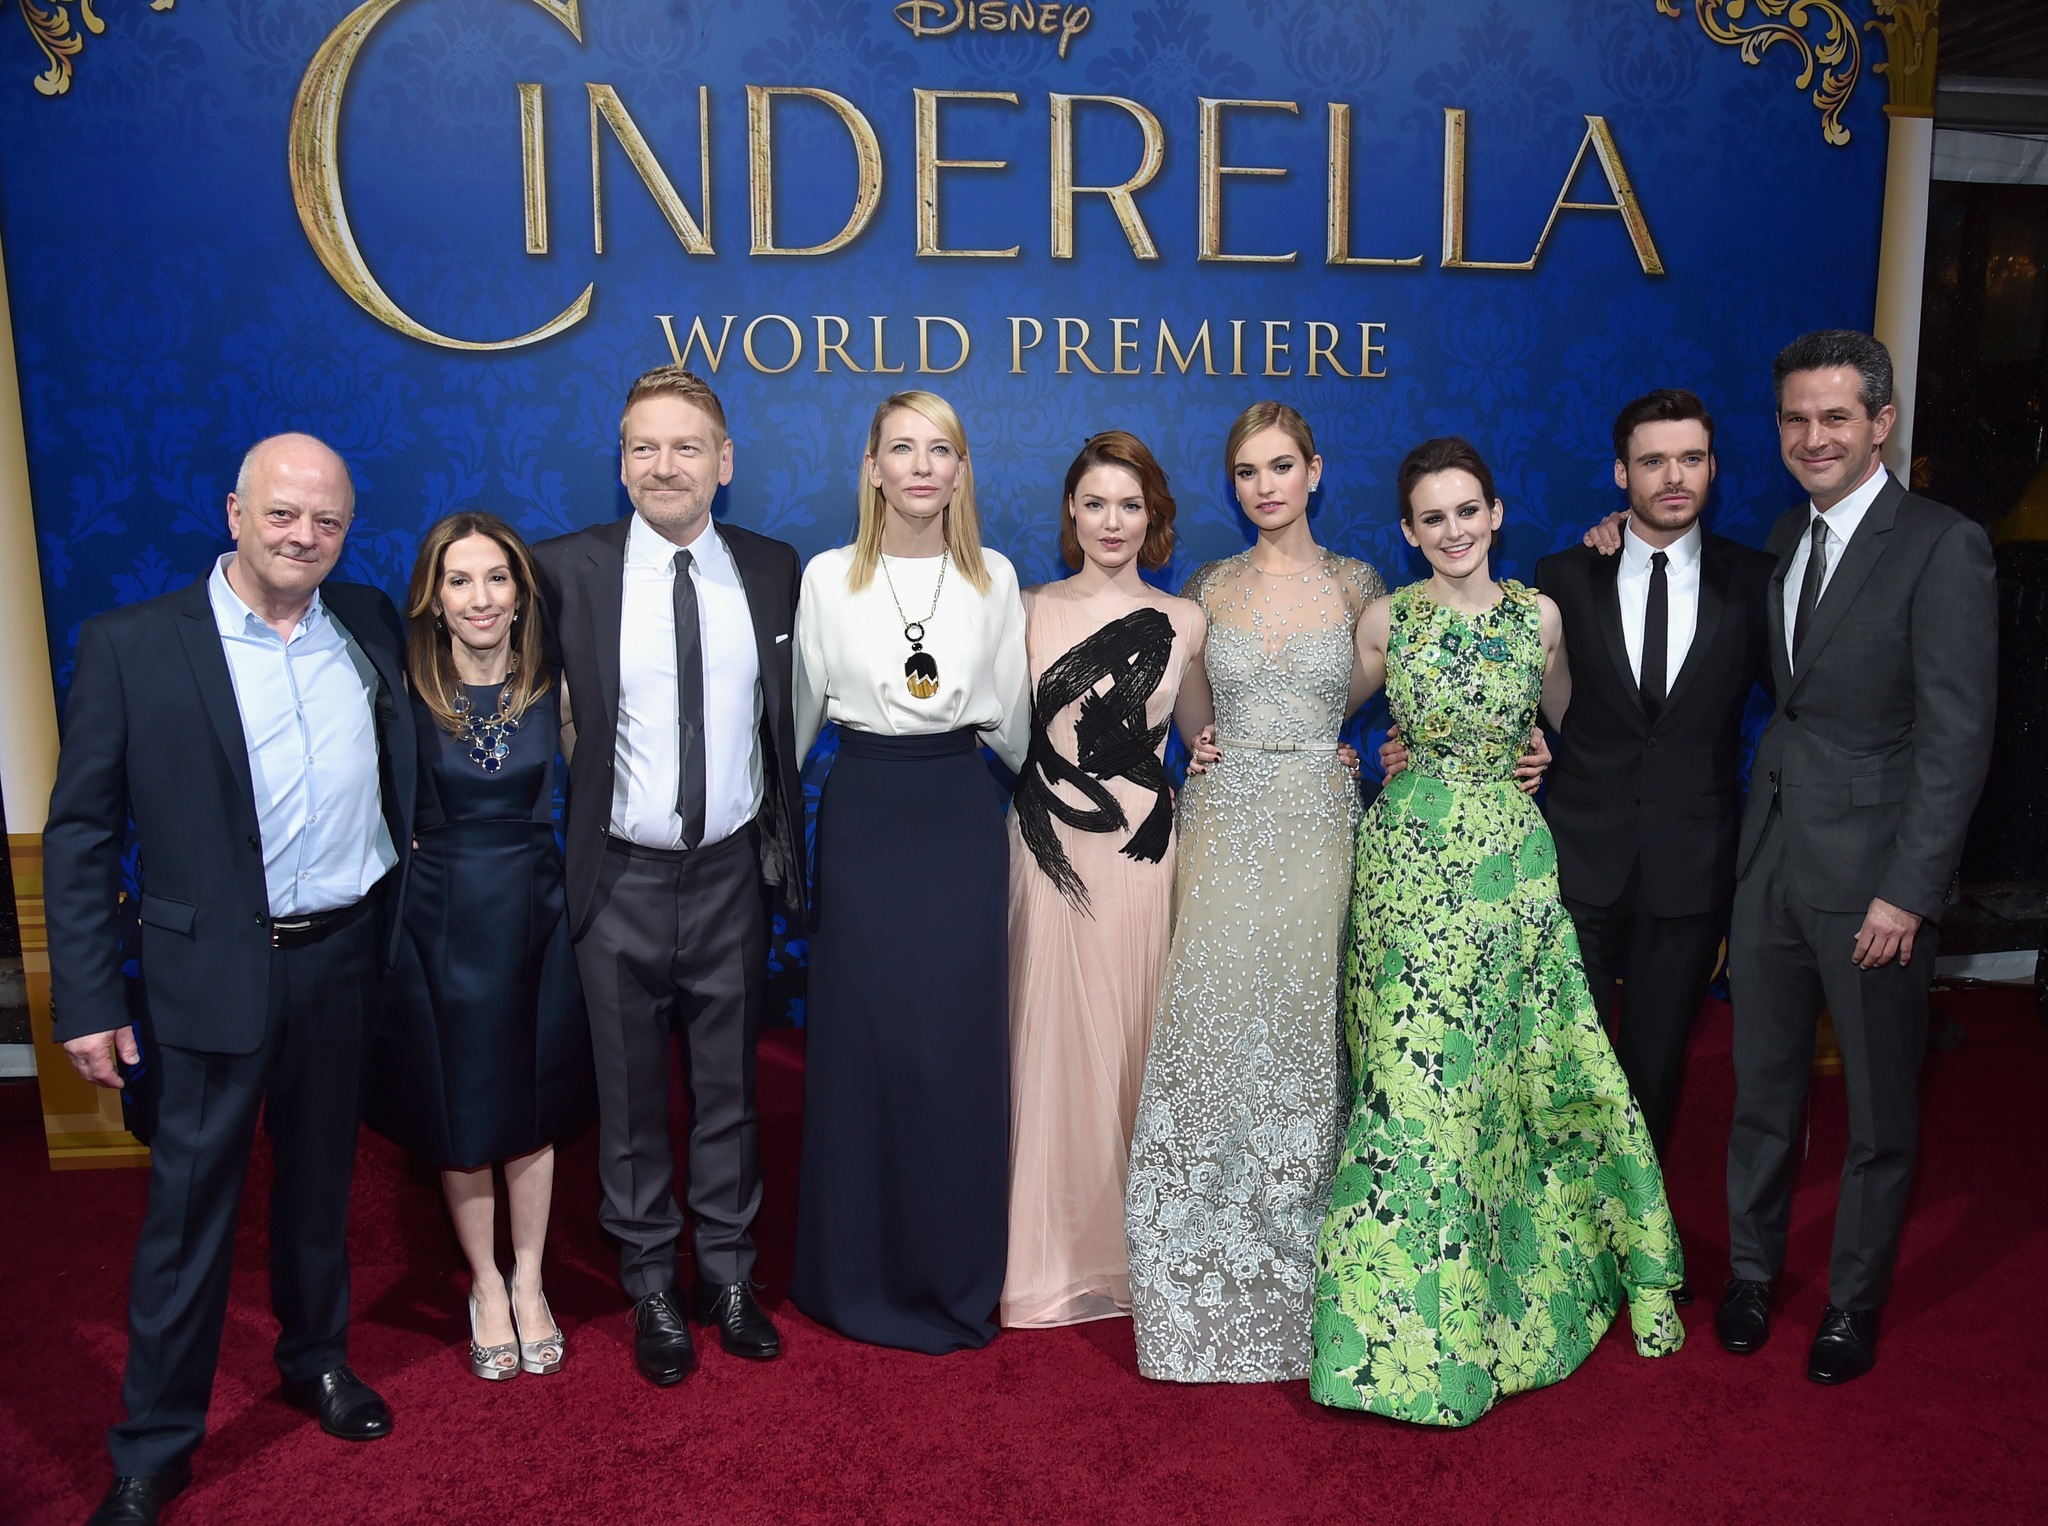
[482,1058]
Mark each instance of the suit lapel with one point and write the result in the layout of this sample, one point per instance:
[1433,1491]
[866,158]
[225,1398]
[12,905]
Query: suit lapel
[1713,598]
[216,686]
[1859,557]
[1783,543]
[395,740]
[605,578]
[384,660]
[764,624]
[1606,576]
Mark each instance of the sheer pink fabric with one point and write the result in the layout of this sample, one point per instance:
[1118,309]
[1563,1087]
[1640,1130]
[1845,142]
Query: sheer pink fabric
[1083,988]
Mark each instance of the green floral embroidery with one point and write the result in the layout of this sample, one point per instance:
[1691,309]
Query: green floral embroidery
[1494,879]
[1498,1198]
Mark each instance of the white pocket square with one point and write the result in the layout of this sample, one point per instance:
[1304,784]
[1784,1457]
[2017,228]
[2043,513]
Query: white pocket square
[782,638]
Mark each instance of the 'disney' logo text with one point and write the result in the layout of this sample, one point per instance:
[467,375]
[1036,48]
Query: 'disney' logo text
[941,18]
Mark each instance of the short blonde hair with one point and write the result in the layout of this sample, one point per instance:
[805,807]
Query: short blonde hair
[962,521]
[672,381]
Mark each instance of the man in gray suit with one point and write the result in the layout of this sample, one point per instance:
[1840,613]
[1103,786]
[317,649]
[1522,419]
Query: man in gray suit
[1884,636]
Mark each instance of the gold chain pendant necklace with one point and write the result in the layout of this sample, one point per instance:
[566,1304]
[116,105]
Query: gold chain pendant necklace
[920,670]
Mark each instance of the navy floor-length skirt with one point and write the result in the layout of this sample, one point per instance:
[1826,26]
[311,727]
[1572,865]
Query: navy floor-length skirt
[903,1220]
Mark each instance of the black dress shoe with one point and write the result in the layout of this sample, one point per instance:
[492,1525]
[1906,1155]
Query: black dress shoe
[1684,1296]
[135,1501]
[347,1406]
[661,1339]
[1743,1322]
[743,1329]
[1845,1347]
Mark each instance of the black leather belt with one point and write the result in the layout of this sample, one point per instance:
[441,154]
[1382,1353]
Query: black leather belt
[298,932]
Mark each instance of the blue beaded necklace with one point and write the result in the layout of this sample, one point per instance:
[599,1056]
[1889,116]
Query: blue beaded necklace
[488,748]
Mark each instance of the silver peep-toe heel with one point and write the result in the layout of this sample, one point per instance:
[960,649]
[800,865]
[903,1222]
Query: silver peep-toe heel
[494,1364]
[544,1355]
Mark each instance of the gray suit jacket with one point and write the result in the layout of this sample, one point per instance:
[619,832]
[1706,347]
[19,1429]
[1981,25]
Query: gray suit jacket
[1881,739]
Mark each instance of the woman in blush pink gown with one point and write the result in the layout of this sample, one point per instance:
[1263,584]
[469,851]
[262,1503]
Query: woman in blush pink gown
[1091,879]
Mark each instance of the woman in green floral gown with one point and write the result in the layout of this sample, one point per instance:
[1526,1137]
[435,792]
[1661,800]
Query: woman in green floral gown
[1497,1197]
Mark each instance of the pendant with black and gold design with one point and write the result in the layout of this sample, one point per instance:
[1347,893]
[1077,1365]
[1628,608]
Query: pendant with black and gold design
[920,669]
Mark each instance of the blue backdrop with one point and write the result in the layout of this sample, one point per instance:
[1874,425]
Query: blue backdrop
[169,307]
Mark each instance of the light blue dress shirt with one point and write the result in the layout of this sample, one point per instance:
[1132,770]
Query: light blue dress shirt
[309,717]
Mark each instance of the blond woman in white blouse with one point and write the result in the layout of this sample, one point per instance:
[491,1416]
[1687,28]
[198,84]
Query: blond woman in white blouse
[911,640]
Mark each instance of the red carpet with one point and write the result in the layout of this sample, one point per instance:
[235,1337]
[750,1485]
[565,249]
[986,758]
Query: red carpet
[1057,1425]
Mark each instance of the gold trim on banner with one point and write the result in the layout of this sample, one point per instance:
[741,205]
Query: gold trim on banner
[52,32]
[1838,46]
[1910,29]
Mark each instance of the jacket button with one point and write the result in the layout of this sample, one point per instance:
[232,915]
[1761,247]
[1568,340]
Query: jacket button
[256,843]
[260,922]
[1791,715]
[1649,741]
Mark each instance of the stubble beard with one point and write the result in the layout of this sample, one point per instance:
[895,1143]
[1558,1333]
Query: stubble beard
[685,512]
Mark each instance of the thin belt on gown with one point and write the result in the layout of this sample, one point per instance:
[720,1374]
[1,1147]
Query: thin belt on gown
[1330,746]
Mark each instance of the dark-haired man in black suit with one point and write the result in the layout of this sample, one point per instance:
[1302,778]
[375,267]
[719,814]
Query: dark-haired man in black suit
[673,638]
[1667,639]
[1884,636]
[256,727]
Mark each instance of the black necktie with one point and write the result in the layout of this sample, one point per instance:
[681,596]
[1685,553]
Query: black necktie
[689,706]
[1809,587]
[1656,635]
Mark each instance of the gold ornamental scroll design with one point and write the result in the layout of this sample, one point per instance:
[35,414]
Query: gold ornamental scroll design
[1910,29]
[1838,55]
[313,153]
[53,33]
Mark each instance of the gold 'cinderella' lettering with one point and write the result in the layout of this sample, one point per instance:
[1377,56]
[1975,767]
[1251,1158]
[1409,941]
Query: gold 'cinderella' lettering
[1120,200]
[929,164]
[1340,203]
[1209,223]
[606,105]
[313,158]
[761,168]
[533,164]
[1601,140]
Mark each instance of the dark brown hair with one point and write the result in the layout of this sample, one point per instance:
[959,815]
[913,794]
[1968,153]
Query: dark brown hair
[1667,405]
[672,381]
[1446,454]
[1115,447]
[1268,415]
[1829,349]
[429,653]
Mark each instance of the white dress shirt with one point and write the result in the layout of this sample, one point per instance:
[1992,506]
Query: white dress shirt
[1842,521]
[1681,586]
[850,653]
[309,719]
[647,756]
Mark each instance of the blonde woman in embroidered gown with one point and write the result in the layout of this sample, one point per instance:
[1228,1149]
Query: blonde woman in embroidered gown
[1498,1194]
[1091,878]
[1246,1084]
